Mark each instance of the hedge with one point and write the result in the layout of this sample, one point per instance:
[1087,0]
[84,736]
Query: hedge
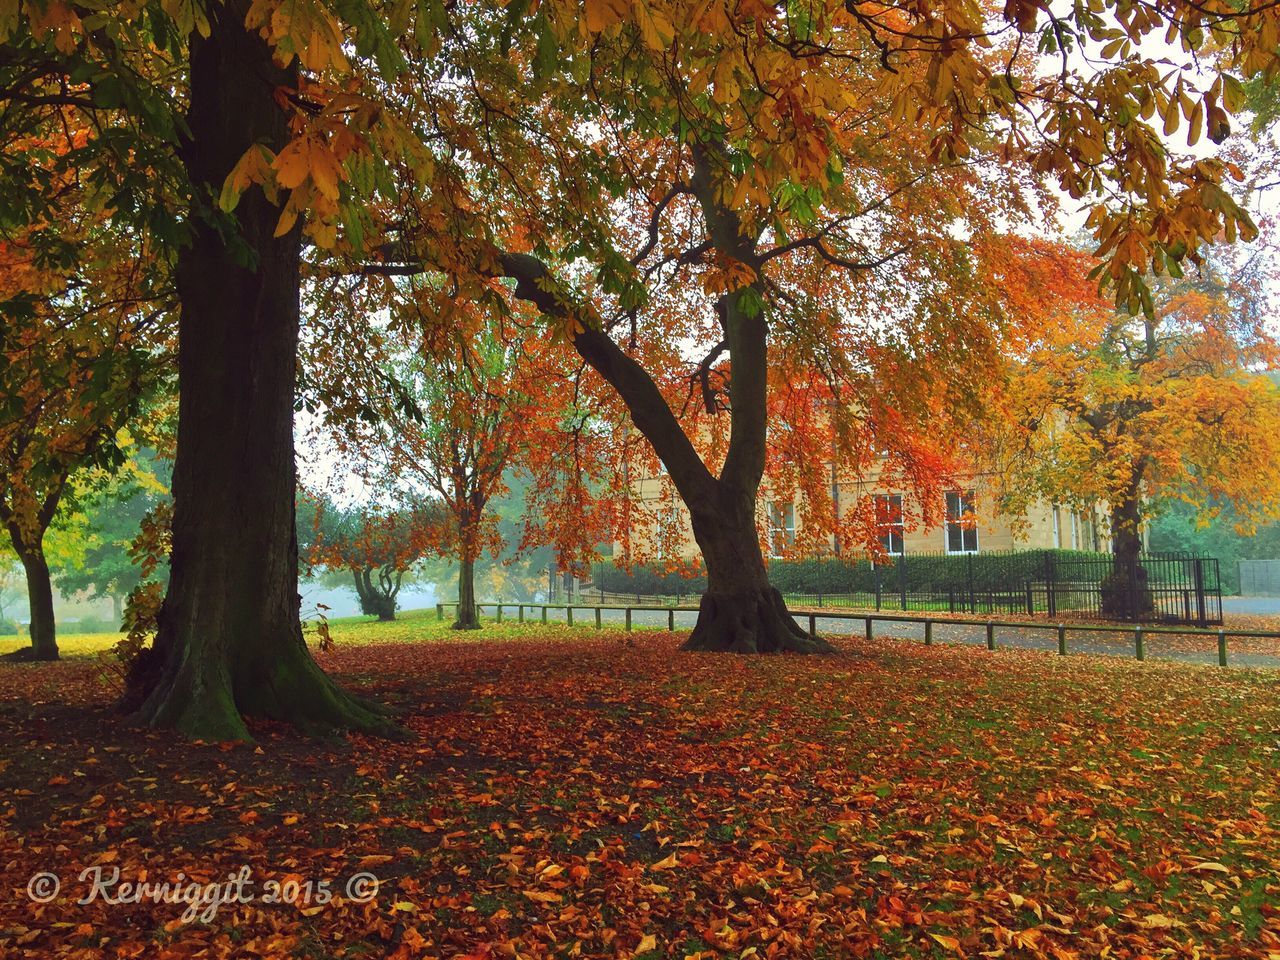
[915,573]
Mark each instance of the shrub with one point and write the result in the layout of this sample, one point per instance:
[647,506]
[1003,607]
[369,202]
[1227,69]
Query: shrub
[914,573]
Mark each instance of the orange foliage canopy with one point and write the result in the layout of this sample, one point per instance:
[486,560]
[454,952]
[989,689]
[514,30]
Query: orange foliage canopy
[1111,409]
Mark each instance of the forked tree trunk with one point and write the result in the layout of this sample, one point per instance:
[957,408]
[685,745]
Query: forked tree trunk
[230,643]
[373,601]
[741,612]
[44,641]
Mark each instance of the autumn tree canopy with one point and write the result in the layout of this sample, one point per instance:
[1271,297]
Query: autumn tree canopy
[682,190]
[1129,412]
[82,342]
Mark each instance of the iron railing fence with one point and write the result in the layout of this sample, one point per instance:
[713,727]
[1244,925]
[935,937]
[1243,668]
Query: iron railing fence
[1154,588]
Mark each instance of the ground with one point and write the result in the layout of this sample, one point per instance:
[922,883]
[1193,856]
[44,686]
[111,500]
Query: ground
[572,793]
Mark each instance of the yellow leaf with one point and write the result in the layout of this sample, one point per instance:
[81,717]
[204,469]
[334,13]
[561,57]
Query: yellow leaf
[1210,865]
[949,943]
[325,170]
[293,163]
[543,896]
[288,217]
[649,942]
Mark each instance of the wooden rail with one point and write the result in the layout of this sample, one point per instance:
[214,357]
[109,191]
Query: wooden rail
[1140,632]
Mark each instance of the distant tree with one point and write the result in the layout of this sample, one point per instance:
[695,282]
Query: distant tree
[1178,528]
[107,522]
[375,547]
[78,350]
[11,586]
[1133,410]
[475,414]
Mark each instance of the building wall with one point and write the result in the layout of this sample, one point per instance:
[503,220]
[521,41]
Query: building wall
[995,531]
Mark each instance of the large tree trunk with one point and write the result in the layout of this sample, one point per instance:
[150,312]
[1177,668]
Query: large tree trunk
[44,642]
[230,643]
[741,612]
[1125,592]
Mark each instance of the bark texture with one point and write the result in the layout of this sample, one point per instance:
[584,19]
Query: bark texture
[230,643]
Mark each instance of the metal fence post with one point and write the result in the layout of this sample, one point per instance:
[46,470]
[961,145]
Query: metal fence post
[499,612]
[1222,648]
[544,613]
[973,600]
[628,619]
[597,618]
[928,633]
[439,611]
[569,615]
[991,635]
[1062,640]
[902,582]
[813,626]
[1139,644]
[521,615]
[869,635]
[1051,585]
[671,619]
[1201,617]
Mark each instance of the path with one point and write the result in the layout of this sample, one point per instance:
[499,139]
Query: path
[1255,606]
[1187,649]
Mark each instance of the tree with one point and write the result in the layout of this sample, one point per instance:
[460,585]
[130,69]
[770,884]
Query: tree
[468,413]
[1132,411]
[658,179]
[11,586]
[375,546]
[107,518]
[475,416]
[77,356]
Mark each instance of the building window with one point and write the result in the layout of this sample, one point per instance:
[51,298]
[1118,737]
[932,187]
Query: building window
[782,527]
[1057,527]
[889,523]
[962,526]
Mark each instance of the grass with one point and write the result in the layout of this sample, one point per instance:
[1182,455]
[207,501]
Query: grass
[567,792]
[411,626]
